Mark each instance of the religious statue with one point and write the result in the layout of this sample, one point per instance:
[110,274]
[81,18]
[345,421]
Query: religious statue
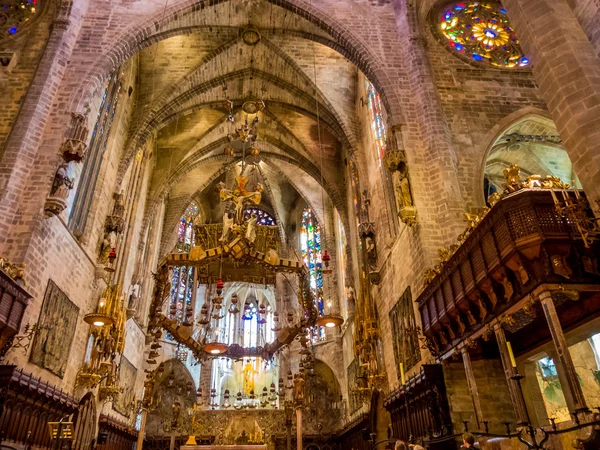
[251,228]
[299,389]
[401,190]
[109,241]
[227,226]
[350,299]
[62,183]
[371,252]
[119,205]
[249,374]
[240,196]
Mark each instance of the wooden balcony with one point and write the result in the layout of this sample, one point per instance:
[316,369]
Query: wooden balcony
[521,244]
[13,301]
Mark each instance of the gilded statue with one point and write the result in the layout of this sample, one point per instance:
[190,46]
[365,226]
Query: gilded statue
[249,375]
[240,196]
[402,190]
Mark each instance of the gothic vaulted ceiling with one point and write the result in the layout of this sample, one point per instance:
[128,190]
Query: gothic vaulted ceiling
[308,124]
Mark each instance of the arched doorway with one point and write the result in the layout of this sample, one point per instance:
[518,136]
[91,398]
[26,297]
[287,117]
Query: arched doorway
[532,143]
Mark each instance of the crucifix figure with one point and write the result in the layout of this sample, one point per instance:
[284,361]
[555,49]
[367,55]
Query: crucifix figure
[192,411]
[240,196]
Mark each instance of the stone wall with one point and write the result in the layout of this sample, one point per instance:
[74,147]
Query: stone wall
[493,393]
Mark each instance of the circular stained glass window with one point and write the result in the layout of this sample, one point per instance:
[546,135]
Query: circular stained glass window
[14,14]
[482,32]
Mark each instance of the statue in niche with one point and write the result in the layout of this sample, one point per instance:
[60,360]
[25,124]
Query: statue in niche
[62,184]
[249,375]
[109,241]
[402,190]
[350,299]
[396,164]
[119,205]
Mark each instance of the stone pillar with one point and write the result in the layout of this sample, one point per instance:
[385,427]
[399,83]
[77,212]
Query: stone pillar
[299,428]
[567,71]
[140,439]
[472,386]
[172,443]
[22,145]
[428,141]
[564,363]
[512,378]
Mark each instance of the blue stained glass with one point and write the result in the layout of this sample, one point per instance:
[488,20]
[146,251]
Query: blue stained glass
[477,57]
[263,218]
[12,30]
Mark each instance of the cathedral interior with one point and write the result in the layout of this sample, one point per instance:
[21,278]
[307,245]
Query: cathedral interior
[299,224]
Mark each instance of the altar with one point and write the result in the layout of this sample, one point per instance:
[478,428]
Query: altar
[223,447]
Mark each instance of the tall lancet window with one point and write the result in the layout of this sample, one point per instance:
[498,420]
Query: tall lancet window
[379,133]
[95,156]
[185,232]
[310,244]
[377,121]
[182,284]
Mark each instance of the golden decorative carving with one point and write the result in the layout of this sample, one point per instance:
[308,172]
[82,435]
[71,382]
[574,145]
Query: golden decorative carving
[15,271]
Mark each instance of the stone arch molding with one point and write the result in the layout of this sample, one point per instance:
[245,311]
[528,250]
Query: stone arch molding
[487,143]
[133,39]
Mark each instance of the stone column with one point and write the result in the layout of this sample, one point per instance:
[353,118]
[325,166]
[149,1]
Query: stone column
[172,443]
[567,71]
[22,145]
[512,378]
[564,363]
[140,439]
[472,386]
[428,140]
[299,428]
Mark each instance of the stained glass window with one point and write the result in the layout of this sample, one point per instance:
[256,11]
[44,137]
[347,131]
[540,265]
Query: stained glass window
[14,14]
[263,218]
[482,32]
[185,232]
[182,282]
[377,120]
[310,244]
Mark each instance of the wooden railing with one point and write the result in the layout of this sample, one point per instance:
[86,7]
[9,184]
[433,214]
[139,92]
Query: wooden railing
[521,243]
[419,408]
[27,405]
[117,435]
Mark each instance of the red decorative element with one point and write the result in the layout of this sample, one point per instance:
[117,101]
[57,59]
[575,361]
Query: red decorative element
[112,255]
[326,257]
